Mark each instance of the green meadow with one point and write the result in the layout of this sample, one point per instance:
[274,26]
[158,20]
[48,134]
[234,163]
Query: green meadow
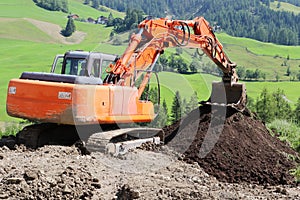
[25,47]
[201,83]
[285,7]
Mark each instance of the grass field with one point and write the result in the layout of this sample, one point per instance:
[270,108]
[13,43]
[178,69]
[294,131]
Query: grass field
[201,83]
[285,7]
[24,47]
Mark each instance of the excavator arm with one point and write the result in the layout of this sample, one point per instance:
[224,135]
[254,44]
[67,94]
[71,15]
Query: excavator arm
[155,35]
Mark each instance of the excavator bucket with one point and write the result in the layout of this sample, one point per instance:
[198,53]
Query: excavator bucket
[233,95]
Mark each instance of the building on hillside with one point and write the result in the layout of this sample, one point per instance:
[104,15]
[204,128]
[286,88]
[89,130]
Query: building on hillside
[73,16]
[102,20]
[91,20]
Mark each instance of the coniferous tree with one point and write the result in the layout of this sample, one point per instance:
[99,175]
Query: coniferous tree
[283,109]
[185,107]
[95,4]
[53,5]
[194,102]
[163,60]
[176,107]
[241,71]
[110,20]
[297,112]
[162,116]
[233,17]
[265,106]
[288,71]
[194,66]
[70,28]
[65,6]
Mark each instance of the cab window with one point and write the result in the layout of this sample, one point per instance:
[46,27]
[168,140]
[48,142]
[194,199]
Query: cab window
[105,64]
[58,65]
[73,66]
[95,71]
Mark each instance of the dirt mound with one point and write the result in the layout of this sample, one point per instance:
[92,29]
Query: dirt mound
[237,149]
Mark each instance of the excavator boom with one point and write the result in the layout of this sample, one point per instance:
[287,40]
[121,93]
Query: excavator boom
[155,35]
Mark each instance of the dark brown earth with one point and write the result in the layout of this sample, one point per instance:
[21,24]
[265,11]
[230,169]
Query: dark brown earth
[245,151]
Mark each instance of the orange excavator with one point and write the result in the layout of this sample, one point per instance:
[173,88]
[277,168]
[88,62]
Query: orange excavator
[103,93]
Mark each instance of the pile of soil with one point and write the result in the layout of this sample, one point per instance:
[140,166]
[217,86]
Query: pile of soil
[238,149]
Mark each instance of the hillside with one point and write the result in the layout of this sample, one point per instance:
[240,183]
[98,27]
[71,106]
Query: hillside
[253,19]
[40,41]
[31,38]
[285,6]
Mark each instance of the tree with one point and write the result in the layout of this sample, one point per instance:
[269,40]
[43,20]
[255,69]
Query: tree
[95,4]
[256,74]
[163,60]
[288,71]
[278,4]
[131,20]
[277,76]
[298,76]
[153,95]
[283,109]
[241,71]
[250,103]
[110,20]
[194,66]
[64,6]
[176,107]
[249,74]
[265,106]
[70,28]
[162,116]
[53,5]
[179,51]
[263,76]
[297,112]
[180,65]
[172,61]
[185,107]
[192,104]
[233,17]
[261,34]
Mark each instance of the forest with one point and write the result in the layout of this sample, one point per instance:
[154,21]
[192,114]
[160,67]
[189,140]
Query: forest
[251,19]
[53,5]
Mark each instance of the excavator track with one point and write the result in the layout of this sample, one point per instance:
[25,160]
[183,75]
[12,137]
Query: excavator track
[118,142]
[110,140]
[38,135]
